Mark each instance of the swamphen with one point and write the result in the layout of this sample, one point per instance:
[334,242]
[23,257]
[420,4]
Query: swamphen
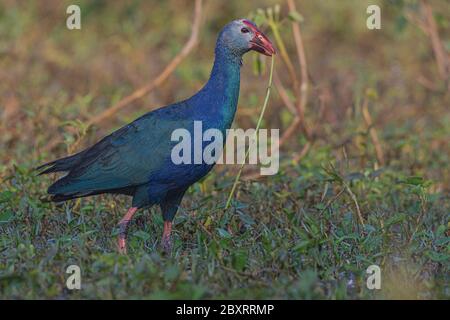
[136,160]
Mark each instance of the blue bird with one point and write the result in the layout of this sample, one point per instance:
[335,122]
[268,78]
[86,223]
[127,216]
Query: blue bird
[136,159]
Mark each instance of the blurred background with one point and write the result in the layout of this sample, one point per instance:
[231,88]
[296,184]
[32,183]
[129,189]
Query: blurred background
[52,79]
[356,107]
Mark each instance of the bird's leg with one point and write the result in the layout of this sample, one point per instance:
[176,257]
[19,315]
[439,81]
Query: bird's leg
[169,206]
[123,227]
[166,242]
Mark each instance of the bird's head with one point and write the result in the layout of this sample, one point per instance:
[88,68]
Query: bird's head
[241,36]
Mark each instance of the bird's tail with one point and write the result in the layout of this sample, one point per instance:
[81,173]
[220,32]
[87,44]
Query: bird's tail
[60,165]
[63,164]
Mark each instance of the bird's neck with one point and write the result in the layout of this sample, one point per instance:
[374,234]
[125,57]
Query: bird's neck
[220,95]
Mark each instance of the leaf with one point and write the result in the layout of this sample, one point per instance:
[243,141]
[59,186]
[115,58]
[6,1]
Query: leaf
[441,230]
[371,93]
[400,23]
[6,216]
[246,219]
[260,17]
[355,176]
[295,16]
[320,206]
[240,260]
[438,257]
[376,173]
[223,233]
[395,219]
[6,196]
[414,180]
[302,246]
[142,234]
[207,222]
[171,273]
[369,228]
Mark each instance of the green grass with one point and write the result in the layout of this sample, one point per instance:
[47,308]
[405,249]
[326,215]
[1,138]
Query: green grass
[294,235]
[289,237]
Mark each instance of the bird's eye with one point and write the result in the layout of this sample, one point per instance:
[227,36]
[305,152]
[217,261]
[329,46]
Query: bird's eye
[244,30]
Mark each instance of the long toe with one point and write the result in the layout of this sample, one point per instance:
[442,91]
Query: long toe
[166,245]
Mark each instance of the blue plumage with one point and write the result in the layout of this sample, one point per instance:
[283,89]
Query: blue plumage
[136,159]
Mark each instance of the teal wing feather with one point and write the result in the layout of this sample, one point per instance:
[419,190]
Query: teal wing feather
[123,159]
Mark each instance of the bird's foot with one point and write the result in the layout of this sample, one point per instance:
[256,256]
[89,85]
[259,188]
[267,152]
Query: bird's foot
[166,245]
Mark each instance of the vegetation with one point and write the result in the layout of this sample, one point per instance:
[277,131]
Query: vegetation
[364,171]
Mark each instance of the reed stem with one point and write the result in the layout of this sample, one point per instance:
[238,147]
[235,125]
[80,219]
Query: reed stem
[258,124]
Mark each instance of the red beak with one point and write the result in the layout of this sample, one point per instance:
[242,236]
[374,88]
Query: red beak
[260,42]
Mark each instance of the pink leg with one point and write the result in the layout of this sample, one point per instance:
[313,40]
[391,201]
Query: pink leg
[166,242]
[123,225]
